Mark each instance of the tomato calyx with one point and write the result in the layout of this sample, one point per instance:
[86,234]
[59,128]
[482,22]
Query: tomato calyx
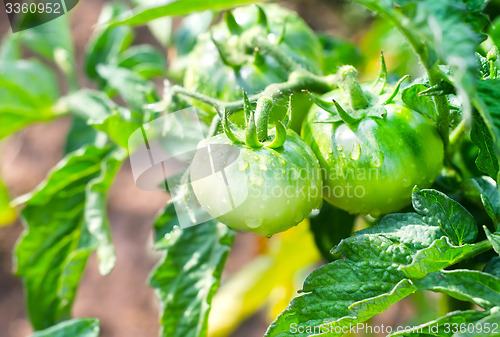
[358,103]
[256,132]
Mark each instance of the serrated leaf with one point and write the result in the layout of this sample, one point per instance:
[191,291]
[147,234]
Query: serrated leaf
[423,104]
[82,327]
[66,220]
[189,274]
[28,90]
[466,285]
[487,190]
[329,227]
[449,215]
[148,12]
[368,275]
[443,325]
[441,254]
[408,228]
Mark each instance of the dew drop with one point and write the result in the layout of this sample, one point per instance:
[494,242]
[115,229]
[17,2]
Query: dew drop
[242,165]
[282,161]
[253,223]
[340,147]
[342,154]
[356,152]
[377,159]
[263,167]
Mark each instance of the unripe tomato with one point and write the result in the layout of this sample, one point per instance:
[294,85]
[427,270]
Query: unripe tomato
[271,190]
[222,64]
[374,156]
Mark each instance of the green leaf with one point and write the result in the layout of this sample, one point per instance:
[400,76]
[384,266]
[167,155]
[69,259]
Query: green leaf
[443,325]
[348,291]
[66,220]
[107,43]
[143,60]
[28,90]
[486,128]
[494,239]
[82,134]
[189,274]
[489,322]
[449,215]
[7,213]
[466,285]
[329,227]
[103,114]
[423,104]
[441,254]
[154,10]
[133,88]
[51,40]
[82,327]
[486,190]
[493,267]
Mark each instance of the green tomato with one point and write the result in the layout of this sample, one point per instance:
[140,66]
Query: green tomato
[264,190]
[372,161]
[223,70]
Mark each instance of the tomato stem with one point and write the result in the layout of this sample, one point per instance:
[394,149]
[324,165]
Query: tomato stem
[262,112]
[286,62]
[349,85]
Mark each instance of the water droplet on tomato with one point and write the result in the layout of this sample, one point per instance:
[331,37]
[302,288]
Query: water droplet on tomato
[356,152]
[377,159]
[263,167]
[340,147]
[253,223]
[242,165]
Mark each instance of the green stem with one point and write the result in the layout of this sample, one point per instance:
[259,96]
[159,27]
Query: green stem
[457,134]
[262,112]
[349,85]
[285,61]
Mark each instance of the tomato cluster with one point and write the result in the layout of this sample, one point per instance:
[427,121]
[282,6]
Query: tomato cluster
[361,148]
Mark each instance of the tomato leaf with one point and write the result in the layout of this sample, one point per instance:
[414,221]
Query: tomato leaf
[440,210]
[423,104]
[439,255]
[54,248]
[107,43]
[28,90]
[467,285]
[489,325]
[493,266]
[143,60]
[133,88]
[439,327]
[7,213]
[486,127]
[189,274]
[103,114]
[157,9]
[494,238]
[486,190]
[82,327]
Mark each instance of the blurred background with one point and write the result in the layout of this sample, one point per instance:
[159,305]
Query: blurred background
[122,301]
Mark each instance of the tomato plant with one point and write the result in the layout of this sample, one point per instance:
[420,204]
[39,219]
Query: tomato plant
[408,166]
